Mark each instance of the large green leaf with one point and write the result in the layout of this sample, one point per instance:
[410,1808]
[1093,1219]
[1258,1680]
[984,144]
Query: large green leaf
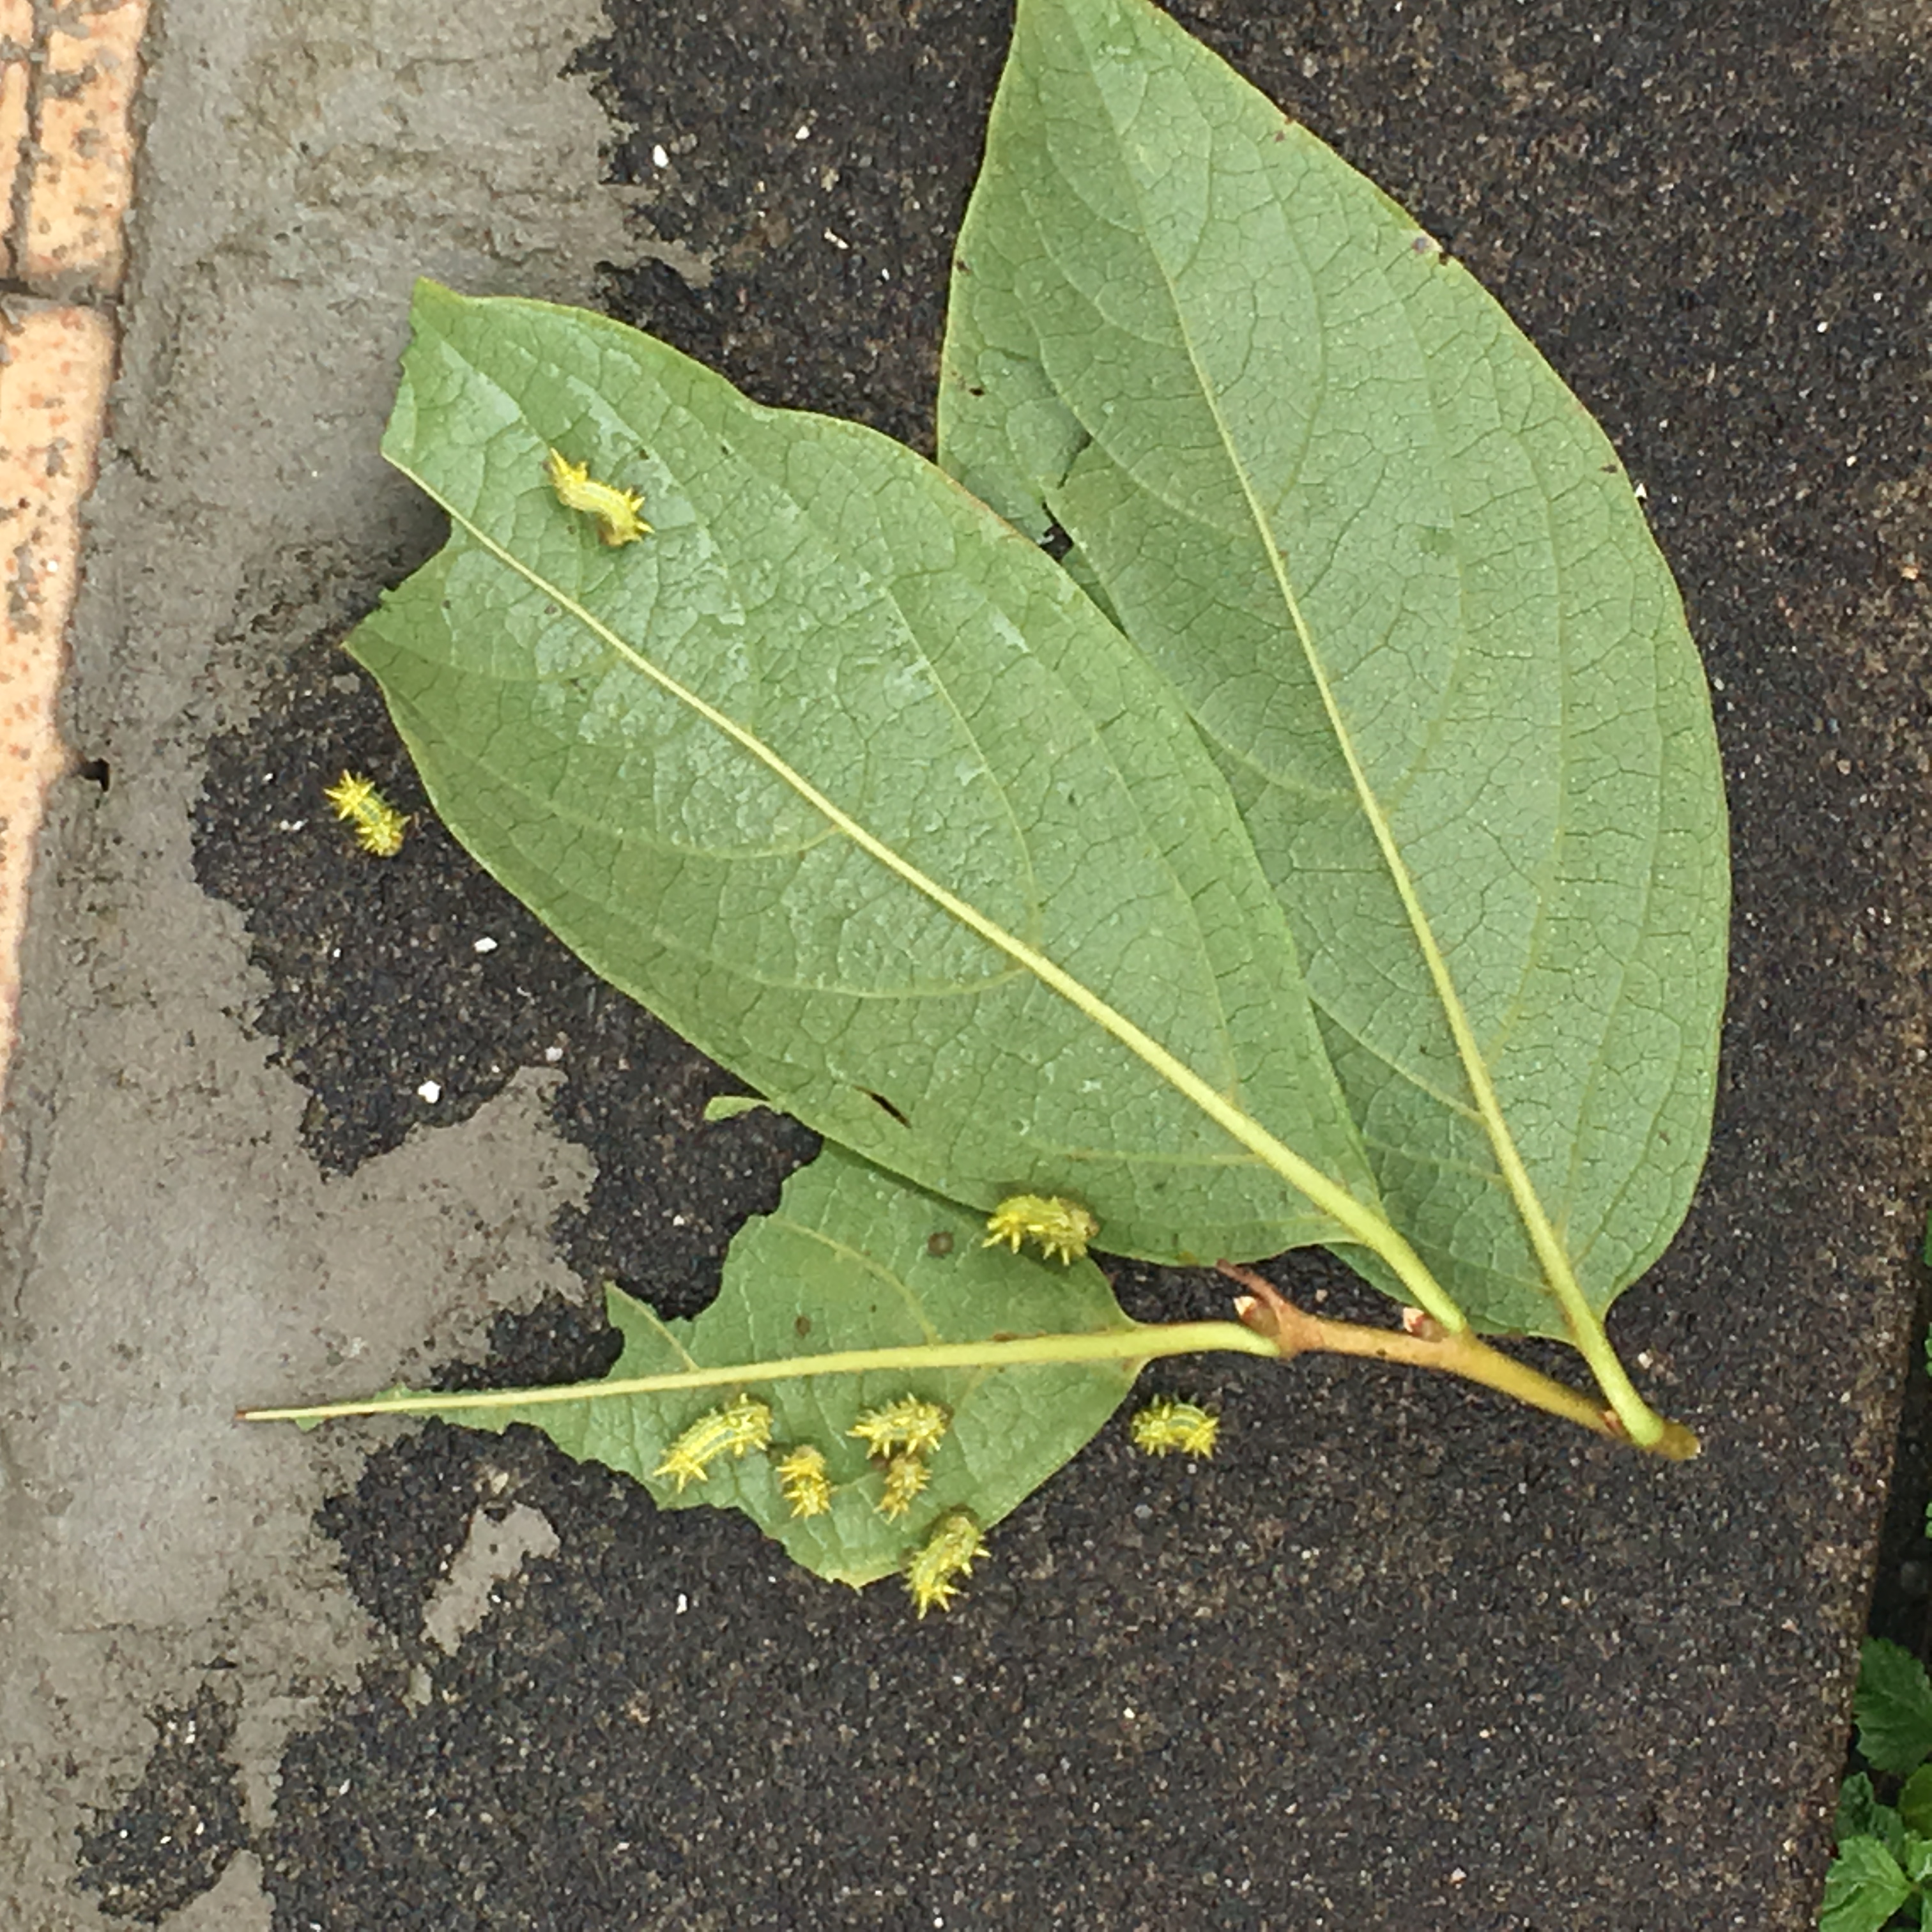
[1401,581]
[853,1259]
[846,782]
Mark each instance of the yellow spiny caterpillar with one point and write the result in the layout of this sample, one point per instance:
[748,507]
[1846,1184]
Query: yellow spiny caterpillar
[1062,1228]
[1167,1424]
[907,1423]
[379,826]
[615,510]
[743,1424]
[905,1477]
[803,1480]
[948,1553]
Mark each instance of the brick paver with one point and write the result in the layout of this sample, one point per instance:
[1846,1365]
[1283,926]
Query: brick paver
[16,42]
[66,90]
[83,163]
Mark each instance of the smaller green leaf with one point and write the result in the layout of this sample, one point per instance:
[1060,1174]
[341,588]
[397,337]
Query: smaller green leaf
[1893,1707]
[1861,1815]
[1888,1829]
[1914,1801]
[849,785]
[1864,1888]
[729,1106]
[855,1260]
[1917,1858]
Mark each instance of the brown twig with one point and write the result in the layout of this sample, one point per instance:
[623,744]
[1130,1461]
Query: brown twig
[1423,1343]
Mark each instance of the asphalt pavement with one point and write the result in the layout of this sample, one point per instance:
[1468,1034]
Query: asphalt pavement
[278,1128]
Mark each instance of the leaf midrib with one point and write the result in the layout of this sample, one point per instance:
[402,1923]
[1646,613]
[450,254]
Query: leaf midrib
[1362,1224]
[1559,1277]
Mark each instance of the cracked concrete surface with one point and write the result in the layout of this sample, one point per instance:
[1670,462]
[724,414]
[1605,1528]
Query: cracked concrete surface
[168,1234]
[493,1552]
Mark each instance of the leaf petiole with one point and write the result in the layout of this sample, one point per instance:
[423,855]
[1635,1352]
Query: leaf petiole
[1270,1326]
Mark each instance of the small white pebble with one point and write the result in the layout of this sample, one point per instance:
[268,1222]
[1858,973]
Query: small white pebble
[486,945]
[430,1090]
[683,1603]
[553,1054]
[290,824]
[804,132]
[659,159]
[837,241]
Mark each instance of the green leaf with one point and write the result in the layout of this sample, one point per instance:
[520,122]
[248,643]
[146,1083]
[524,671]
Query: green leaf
[1915,1803]
[729,1106]
[1863,1888]
[1893,1705]
[1861,1815]
[849,785]
[853,1259]
[1401,581]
